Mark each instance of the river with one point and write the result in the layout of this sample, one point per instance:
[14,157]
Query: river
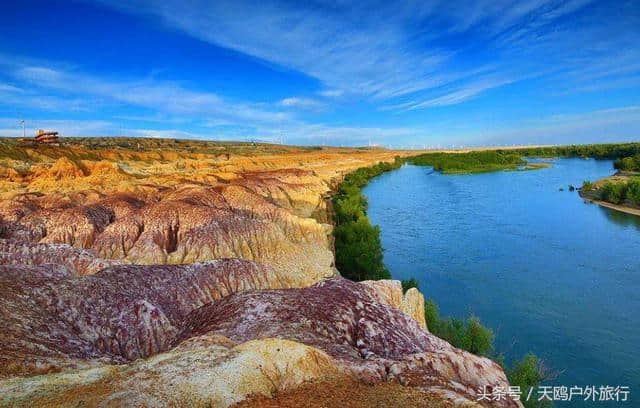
[546,271]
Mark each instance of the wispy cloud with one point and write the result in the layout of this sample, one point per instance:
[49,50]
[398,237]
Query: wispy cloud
[382,50]
[303,103]
[453,97]
[331,93]
[162,96]
[375,71]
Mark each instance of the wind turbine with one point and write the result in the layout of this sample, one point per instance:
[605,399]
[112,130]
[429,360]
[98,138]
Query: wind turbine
[21,121]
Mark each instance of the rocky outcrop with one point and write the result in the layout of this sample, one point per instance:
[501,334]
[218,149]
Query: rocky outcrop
[117,315]
[390,293]
[55,256]
[178,315]
[206,372]
[179,226]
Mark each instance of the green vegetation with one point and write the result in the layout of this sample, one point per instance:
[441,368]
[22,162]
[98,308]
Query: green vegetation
[472,336]
[587,186]
[408,284]
[468,335]
[597,151]
[528,373]
[357,242]
[471,162]
[627,155]
[631,163]
[617,193]
[612,192]
[359,257]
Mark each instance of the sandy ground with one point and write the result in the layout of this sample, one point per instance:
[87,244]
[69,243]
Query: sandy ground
[625,209]
[348,394]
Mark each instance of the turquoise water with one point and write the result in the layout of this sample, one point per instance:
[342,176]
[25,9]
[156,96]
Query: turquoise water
[548,272]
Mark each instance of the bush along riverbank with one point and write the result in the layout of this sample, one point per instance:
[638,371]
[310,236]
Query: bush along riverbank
[625,193]
[357,242]
[472,336]
[359,256]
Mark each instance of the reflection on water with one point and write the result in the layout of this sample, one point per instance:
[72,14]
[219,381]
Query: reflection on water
[548,272]
[621,218]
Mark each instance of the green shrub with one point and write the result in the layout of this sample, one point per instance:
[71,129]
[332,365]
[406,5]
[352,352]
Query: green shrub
[409,283]
[360,256]
[612,192]
[631,163]
[587,185]
[480,338]
[468,335]
[633,191]
[528,373]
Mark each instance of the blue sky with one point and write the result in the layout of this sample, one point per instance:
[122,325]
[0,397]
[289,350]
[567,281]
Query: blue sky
[401,74]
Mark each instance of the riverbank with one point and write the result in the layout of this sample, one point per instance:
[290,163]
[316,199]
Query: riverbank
[360,245]
[621,208]
[611,192]
[594,192]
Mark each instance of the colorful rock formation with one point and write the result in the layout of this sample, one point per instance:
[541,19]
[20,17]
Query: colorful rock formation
[173,278]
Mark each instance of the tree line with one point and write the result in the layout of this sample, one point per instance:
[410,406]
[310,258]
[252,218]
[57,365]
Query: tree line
[470,162]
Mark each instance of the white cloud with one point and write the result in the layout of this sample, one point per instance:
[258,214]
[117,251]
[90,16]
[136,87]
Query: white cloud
[302,103]
[455,96]
[381,49]
[162,96]
[7,88]
[332,93]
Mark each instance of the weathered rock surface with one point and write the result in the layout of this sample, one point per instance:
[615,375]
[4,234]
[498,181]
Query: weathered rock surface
[207,372]
[179,226]
[75,261]
[182,315]
[390,293]
[117,315]
[197,274]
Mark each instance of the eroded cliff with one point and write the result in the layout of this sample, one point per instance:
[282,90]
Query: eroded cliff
[197,275]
